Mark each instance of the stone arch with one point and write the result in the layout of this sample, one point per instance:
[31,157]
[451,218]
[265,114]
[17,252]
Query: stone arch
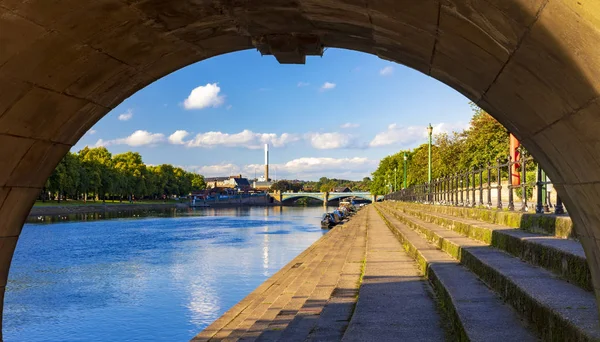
[533,64]
[335,196]
[305,195]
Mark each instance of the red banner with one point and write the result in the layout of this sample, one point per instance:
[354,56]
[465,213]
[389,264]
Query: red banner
[515,169]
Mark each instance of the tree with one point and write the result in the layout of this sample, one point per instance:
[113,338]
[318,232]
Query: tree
[96,171]
[485,140]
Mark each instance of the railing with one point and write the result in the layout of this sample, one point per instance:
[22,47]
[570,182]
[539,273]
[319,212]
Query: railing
[475,188]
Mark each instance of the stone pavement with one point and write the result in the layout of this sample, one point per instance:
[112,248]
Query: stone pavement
[395,301]
[314,297]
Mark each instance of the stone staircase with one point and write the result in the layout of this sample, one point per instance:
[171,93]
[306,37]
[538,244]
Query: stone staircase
[403,271]
[532,284]
[312,297]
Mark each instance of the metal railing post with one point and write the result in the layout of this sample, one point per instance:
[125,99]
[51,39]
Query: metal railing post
[539,208]
[558,208]
[480,187]
[489,185]
[474,203]
[499,187]
[523,181]
[511,203]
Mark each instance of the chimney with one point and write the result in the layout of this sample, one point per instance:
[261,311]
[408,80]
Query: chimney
[267,162]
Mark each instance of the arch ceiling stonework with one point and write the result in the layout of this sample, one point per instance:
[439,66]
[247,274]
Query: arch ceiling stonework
[533,64]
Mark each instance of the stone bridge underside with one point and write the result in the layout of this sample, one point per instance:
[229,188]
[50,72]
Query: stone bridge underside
[533,64]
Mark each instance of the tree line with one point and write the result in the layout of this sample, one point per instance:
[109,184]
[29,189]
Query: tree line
[484,141]
[94,173]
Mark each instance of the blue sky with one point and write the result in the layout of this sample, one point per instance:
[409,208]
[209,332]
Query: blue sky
[336,116]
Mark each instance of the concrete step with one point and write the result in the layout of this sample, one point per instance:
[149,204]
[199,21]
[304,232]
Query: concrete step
[229,322]
[257,295]
[308,317]
[564,257]
[558,226]
[476,313]
[275,314]
[335,317]
[395,301]
[556,309]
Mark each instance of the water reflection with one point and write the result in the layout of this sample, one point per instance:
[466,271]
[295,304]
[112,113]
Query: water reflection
[148,278]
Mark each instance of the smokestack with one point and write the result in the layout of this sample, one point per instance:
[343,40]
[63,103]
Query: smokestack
[267,162]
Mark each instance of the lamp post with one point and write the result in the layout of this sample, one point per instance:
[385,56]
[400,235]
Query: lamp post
[429,131]
[405,159]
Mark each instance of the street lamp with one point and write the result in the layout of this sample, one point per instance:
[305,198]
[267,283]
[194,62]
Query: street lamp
[429,131]
[405,159]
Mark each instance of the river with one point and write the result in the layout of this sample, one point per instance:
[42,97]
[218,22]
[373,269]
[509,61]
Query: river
[146,278]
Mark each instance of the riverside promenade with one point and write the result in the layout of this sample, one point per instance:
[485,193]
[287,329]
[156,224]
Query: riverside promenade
[404,272]
[316,296]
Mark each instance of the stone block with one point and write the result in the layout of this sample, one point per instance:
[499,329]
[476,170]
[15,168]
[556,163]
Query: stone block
[7,247]
[11,90]
[578,156]
[40,114]
[225,43]
[37,164]
[15,204]
[420,15]
[177,14]
[122,84]
[583,202]
[12,151]
[546,78]
[56,70]
[79,123]
[135,43]
[91,79]
[16,34]
[43,12]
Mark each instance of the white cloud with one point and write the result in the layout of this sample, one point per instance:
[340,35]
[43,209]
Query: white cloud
[302,168]
[327,86]
[411,135]
[224,169]
[138,138]
[126,116]
[91,132]
[204,97]
[388,70]
[327,141]
[350,125]
[303,84]
[177,137]
[245,138]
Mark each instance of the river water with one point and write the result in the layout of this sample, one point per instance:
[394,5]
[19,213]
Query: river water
[146,278]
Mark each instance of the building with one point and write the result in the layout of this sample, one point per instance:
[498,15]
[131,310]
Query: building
[213,182]
[342,189]
[262,185]
[236,182]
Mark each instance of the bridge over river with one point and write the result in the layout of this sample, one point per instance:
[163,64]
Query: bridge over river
[326,197]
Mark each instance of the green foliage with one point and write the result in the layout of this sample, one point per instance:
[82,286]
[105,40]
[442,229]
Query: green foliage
[284,185]
[485,140]
[94,171]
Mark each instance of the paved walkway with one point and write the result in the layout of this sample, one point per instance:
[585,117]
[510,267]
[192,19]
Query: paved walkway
[316,296]
[395,302]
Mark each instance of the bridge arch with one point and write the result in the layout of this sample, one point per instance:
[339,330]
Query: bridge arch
[340,195]
[533,64]
[302,195]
